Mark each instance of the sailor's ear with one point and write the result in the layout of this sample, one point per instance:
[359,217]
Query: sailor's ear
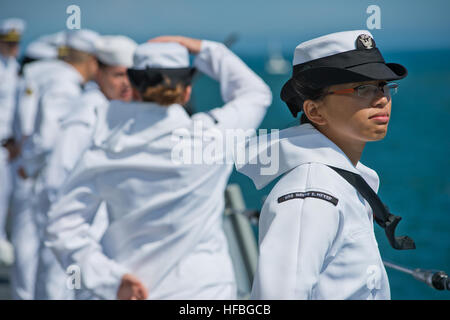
[314,112]
[187,94]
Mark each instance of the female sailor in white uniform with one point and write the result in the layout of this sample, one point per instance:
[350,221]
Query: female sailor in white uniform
[316,229]
[165,238]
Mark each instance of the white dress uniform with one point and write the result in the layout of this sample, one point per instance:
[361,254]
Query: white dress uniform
[64,86]
[316,229]
[60,88]
[165,217]
[10,30]
[55,101]
[57,91]
[24,233]
[76,131]
[42,53]
[77,127]
[9,69]
[8,83]
[316,232]
[75,136]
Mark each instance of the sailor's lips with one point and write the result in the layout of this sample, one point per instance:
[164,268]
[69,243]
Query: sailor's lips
[381,117]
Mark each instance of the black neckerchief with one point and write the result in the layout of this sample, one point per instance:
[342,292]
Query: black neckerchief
[382,216]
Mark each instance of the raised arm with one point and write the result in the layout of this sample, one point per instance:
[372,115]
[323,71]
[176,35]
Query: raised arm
[245,94]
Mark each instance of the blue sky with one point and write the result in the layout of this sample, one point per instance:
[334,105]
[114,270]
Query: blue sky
[405,24]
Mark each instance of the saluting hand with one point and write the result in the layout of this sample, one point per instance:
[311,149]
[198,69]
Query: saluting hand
[131,289]
[193,45]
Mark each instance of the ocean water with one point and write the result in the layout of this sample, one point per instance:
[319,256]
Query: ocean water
[413,162]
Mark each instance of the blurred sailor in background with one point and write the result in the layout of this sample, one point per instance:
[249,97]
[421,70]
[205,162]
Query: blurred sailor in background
[115,55]
[39,59]
[64,84]
[316,232]
[40,55]
[165,238]
[10,34]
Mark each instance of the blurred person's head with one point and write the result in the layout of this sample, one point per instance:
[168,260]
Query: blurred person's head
[10,35]
[161,73]
[115,55]
[43,48]
[80,52]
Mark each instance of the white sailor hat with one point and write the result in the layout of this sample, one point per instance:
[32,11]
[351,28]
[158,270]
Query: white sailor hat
[161,55]
[83,40]
[38,50]
[116,51]
[342,57]
[57,39]
[155,61]
[45,47]
[11,29]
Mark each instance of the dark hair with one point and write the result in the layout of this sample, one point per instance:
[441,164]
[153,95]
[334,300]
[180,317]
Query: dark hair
[25,60]
[101,65]
[306,92]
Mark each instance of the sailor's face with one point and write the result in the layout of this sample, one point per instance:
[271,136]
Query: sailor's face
[114,83]
[9,49]
[357,117]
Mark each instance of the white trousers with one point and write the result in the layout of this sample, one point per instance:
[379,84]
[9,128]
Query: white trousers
[52,282]
[5,190]
[51,278]
[25,239]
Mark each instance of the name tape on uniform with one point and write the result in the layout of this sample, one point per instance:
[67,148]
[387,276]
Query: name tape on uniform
[309,194]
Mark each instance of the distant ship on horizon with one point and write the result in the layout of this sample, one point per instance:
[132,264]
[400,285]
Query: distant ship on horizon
[276,64]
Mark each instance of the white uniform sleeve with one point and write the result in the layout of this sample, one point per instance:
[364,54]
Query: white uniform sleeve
[245,93]
[27,106]
[74,139]
[53,106]
[295,238]
[69,236]
[8,86]
[16,124]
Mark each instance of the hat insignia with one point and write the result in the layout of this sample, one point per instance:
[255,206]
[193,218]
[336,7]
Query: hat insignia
[364,41]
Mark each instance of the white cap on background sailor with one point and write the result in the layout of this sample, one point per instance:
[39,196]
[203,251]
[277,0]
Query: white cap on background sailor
[116,50]
[152,60]
[341,57]
[83,40]
[46,47]
[11,29]
[38,50]
[161,55]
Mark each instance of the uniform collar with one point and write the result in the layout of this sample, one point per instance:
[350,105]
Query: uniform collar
[7,61]
[127,126]
[293,147]
[71,73]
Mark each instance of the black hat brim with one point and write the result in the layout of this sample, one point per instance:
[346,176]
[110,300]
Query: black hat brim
[141,78]
[326,76]
[322,77]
